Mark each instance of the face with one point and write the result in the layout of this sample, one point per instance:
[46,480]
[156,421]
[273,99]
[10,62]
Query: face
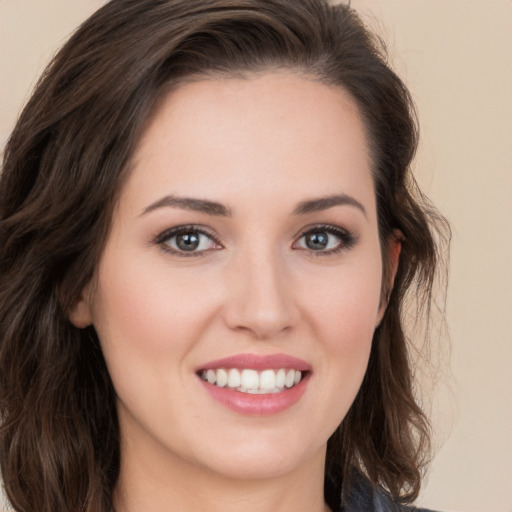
[239,289]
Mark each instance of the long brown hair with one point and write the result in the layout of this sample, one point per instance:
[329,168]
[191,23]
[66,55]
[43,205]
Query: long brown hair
[63,168]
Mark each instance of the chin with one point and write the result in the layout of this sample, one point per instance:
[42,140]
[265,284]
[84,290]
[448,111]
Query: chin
[263,458]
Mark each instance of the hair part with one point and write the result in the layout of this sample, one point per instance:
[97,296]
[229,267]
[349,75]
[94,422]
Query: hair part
[64,166]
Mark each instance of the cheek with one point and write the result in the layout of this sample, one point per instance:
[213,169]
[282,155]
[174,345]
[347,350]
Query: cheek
[142,309]
[344,305]
[148,325]
[344,313]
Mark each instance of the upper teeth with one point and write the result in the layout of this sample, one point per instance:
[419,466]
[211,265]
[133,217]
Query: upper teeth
[252,381]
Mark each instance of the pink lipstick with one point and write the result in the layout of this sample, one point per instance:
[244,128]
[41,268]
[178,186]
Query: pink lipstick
[255,384]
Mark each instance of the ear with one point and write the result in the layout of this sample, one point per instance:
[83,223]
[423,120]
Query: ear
[391,261]
[81,313]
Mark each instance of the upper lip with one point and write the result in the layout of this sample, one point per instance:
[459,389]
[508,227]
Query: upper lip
[257,362]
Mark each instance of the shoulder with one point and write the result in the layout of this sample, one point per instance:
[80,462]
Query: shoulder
[384,503]
[368,498]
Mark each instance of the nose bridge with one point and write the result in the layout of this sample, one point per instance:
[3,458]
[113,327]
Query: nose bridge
[260,293]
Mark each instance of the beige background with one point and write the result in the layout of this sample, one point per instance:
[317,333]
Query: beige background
[456,57]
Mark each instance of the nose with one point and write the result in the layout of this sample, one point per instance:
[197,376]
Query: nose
[261,299]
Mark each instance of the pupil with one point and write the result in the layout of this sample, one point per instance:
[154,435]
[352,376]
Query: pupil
[317,241]
[187,242]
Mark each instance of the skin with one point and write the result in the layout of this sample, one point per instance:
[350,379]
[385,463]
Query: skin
[259,146]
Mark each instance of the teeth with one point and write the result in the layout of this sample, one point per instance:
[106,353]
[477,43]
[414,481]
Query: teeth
[222,378]
[268,379]
[280,378]
[253,382]
[234,379]
[249,380]
[290,379]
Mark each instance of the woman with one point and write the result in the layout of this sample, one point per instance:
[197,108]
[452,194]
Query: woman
[208,228]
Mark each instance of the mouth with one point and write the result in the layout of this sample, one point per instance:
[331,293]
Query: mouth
[255,384]
[252,381]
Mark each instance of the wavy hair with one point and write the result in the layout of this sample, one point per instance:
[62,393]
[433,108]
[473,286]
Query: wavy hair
[64,166]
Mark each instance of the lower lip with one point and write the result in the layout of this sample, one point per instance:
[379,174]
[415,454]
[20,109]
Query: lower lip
[257,405]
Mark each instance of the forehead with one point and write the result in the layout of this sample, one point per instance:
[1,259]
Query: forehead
[261,134]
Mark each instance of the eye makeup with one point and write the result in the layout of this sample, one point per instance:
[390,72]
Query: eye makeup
[189,240]
[318,240]
[192,240]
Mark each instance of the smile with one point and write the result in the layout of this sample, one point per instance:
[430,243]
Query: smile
[252,381]
[255,384]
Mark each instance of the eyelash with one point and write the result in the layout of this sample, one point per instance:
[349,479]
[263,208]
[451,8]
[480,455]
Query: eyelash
[347,239]
[164,237]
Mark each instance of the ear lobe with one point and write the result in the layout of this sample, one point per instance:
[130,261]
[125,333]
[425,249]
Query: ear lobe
[393,257]
[395,248]
[81,314]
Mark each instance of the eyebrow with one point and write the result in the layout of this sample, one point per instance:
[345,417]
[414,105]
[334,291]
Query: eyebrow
[218,209]
[188,203]
[324,203]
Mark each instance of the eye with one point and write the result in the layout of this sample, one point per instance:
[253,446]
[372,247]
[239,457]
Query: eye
[187,240]
[325,239]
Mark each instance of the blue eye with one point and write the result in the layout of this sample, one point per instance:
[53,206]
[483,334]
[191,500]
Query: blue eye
[326,239]
[187,240]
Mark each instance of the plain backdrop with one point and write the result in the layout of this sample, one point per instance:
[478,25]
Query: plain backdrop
[455,55]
